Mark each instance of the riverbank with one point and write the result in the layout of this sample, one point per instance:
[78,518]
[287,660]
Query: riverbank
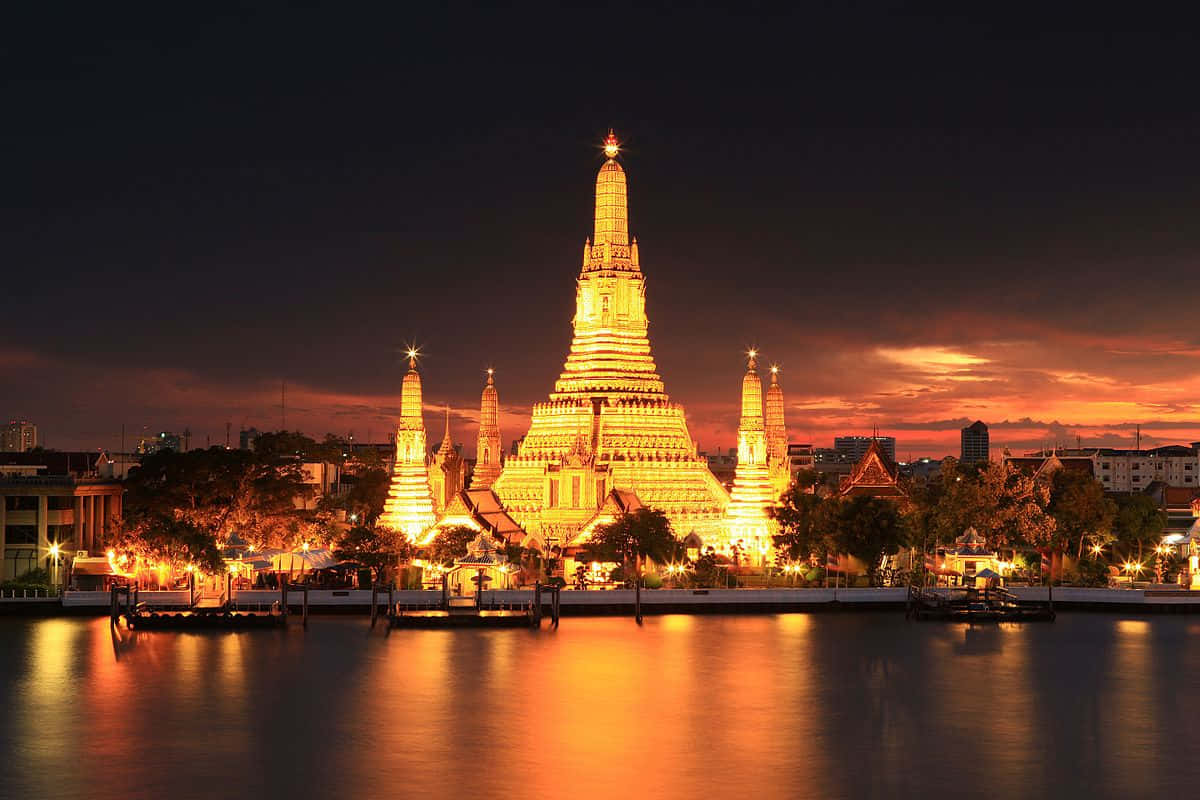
[621,602]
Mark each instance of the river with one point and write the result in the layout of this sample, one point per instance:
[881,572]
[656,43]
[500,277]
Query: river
[794,705]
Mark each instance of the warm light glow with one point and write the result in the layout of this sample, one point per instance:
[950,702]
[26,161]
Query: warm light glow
[54,550]
[611,146]
[190,567]
[1097,549]
[304,547]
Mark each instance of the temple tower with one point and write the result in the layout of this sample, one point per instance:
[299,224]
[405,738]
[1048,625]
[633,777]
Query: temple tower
[409,504]
[746,525]
[487,445]
[609,424]
[776,428]
[447,471]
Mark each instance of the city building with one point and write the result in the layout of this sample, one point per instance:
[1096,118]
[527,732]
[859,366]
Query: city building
[165,440]
[1135,470]
[974,440]
[609,423]
[246,437]
[409,504]
[800,457]
[18,436]
[855,447]
[51,498]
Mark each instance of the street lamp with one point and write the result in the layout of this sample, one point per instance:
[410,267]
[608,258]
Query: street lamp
[54,553]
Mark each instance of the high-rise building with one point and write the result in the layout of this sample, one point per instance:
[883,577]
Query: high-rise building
[855,447]
[165,440]
[18,436]
[975,446]
[609,424]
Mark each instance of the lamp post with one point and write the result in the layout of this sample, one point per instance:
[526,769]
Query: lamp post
[54,554]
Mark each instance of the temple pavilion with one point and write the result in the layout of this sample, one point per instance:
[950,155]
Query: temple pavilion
[609,423]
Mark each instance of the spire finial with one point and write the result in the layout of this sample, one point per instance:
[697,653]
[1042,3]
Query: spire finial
[412,357]
[611,146]
[774,373]
[491,379]
[752,358]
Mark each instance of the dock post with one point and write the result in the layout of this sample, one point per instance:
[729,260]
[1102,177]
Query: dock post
[374,603]
[557,604]
[283,597]
[306,605]
[391,603]
[445,592]
[537,603]
[637,599]
[112,602]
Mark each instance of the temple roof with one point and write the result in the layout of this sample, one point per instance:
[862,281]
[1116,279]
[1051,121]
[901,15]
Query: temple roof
[875,475]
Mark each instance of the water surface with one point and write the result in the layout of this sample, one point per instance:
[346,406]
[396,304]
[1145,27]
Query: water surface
[794,705]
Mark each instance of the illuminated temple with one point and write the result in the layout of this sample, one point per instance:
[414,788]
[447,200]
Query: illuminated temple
[609,424]
[746,526]
[409,504]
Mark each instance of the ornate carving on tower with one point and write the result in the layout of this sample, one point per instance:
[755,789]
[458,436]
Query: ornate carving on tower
[409,504]
[447,472]
[609,424]
[487,445]
[747,526]
[777,457]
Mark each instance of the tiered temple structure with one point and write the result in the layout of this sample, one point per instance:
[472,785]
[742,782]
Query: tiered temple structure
[747,528]
[447,471]
[608,424]
[409,504]
[487,445]
[777,441]
[875,475]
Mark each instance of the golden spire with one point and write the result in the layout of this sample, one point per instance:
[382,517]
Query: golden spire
[776,428]
[410,390]
[752,410]
[447,447]
[612,210]
[487,444]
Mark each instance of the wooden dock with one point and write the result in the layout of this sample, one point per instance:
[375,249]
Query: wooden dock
[975,605]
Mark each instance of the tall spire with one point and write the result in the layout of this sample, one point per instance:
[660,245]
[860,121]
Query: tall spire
[447,443]
[612,209]
[752,409]
[409,504]
[487,445]
[746,523]
[776,428]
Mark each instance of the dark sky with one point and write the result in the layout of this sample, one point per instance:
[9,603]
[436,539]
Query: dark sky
[925,216]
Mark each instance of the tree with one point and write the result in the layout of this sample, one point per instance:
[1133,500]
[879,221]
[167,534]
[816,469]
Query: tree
[1139,522]
[1080,511]
[380,549]
[367,492]
[1006,506]
[633,538]
[221,492]
[450,543]
[868,528]
[166,538]
[805,521]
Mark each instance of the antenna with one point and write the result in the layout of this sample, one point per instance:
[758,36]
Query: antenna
[1138,435]
[228,425]
[283,405]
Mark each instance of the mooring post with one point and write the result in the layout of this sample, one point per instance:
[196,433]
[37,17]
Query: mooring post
[374,603]
[637,599]
[557,606]
[537,603]
[283,587]
[445,591]
[306,605]
[391,602]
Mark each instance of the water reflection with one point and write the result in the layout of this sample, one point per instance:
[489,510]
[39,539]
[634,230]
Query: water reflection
[827,705]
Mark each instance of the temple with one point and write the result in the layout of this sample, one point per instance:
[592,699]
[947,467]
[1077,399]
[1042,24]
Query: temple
[747,528]
[609,423]
[487,444]
[409,504]
[875,475]
[447,471]
[777,440]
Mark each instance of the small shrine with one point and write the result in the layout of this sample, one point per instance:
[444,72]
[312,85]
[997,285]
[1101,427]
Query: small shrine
[485,566]
[972,558]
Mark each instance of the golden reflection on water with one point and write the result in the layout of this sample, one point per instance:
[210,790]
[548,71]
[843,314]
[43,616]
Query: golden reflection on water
[828,705]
